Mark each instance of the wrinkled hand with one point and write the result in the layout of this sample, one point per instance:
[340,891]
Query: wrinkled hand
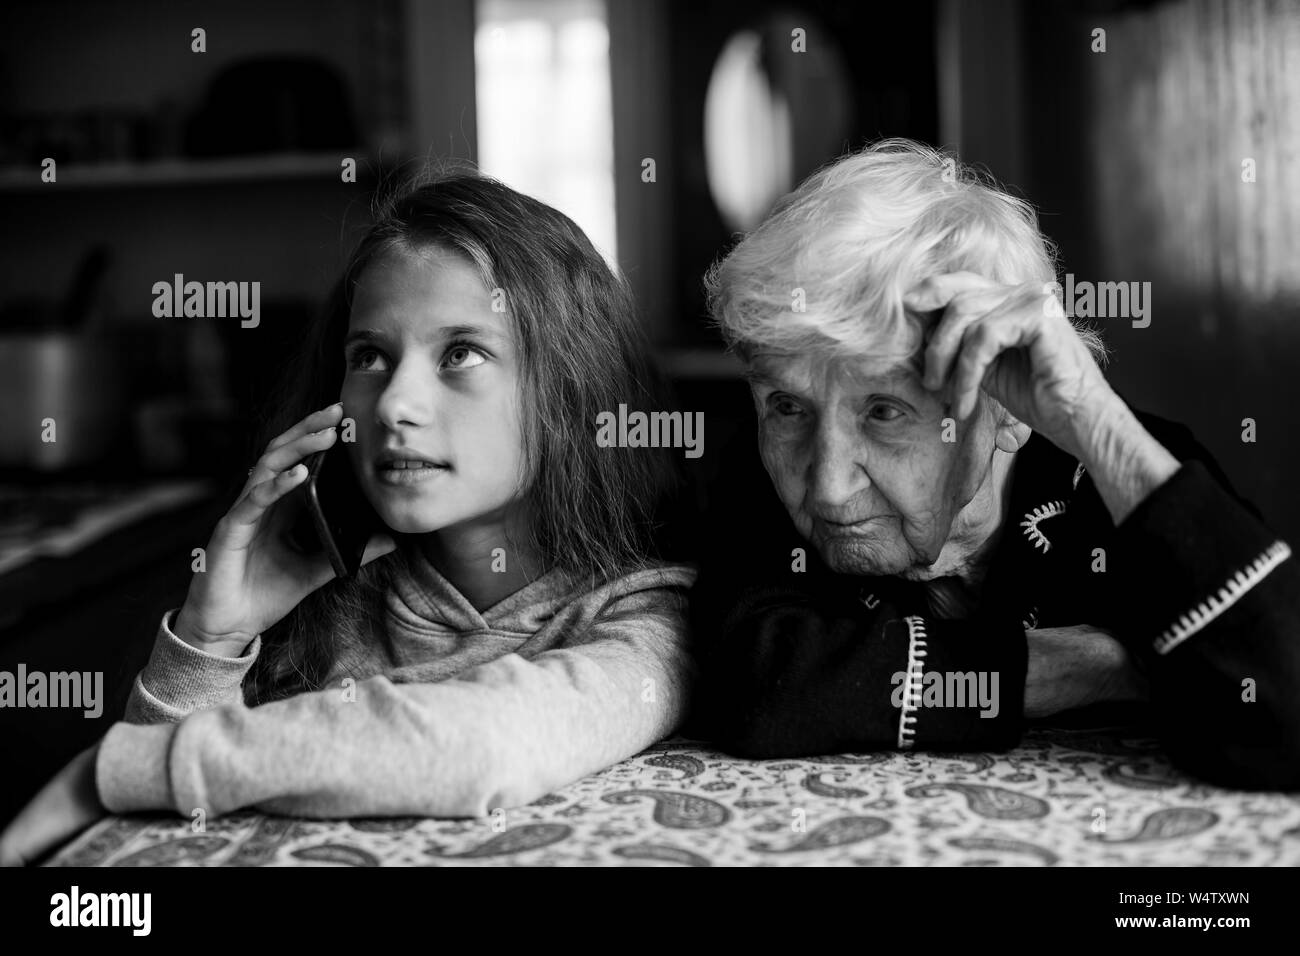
[1017,344]
[63,808]
[1076,666]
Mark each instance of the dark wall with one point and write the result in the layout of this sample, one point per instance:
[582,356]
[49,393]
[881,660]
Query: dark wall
[1135,161]
[889,53]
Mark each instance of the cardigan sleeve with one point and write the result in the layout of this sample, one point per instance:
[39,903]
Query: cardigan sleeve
[498,735]
[1211,608]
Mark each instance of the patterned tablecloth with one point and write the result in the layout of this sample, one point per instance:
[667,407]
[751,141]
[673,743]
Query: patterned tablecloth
[1062,798]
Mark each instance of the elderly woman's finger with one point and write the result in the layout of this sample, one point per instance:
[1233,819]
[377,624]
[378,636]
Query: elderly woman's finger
[983,344]
[935,292]
[945,338]
[942,346]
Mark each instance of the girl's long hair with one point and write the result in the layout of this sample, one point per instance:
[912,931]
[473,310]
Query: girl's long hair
[582,352]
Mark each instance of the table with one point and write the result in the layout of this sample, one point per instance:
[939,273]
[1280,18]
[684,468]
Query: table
[1062,798]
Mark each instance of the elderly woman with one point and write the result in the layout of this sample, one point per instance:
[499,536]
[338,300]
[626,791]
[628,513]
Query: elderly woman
[965,526]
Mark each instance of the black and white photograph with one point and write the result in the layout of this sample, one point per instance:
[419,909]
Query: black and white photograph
[638,434]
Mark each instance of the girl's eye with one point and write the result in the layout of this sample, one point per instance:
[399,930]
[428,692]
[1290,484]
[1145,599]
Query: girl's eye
[358,360]
[462,356]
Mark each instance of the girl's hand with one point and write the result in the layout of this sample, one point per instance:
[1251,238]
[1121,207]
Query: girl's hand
[63,808]
[254,577]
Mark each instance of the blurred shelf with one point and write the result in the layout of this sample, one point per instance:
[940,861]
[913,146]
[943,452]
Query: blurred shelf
[102,549]
[706,363]
[55,522]
[185,172]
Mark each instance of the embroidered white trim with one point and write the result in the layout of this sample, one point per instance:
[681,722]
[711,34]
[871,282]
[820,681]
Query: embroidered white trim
[916,655]
[1228,595]
[1041,513]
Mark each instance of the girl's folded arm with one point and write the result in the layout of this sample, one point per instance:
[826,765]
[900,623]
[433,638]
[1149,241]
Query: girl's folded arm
[500,735]
[180,679]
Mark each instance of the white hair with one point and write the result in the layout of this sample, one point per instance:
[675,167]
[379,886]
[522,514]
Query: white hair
[827,270]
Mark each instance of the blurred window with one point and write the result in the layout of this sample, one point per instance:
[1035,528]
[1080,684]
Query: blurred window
[545,118]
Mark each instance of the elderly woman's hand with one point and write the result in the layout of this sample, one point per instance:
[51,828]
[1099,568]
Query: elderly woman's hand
[63,808]
[1076,666]
[1016,343]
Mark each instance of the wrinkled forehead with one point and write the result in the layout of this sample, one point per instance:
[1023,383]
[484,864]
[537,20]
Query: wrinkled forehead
[862,354]
[807,371]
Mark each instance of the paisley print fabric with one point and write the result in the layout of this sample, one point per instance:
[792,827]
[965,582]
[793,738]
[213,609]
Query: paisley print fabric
[1063,798]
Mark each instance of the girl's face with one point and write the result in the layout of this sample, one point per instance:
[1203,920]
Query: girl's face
[432,382]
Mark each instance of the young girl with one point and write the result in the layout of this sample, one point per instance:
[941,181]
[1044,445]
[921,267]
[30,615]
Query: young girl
[506,637]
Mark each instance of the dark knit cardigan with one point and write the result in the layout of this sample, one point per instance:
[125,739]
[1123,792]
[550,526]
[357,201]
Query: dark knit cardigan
[1203,595]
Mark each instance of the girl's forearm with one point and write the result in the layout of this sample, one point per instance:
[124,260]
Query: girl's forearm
[498,736]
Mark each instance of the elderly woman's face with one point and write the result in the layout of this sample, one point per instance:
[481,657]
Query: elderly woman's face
[856,450]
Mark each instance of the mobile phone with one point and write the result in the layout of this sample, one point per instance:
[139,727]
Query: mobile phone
[341,516]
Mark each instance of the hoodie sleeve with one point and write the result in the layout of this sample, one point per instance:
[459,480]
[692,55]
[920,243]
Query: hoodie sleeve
[497,736]
[1211,600]
[180,679]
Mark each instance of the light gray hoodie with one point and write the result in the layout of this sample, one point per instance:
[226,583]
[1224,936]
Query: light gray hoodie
[463,713]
